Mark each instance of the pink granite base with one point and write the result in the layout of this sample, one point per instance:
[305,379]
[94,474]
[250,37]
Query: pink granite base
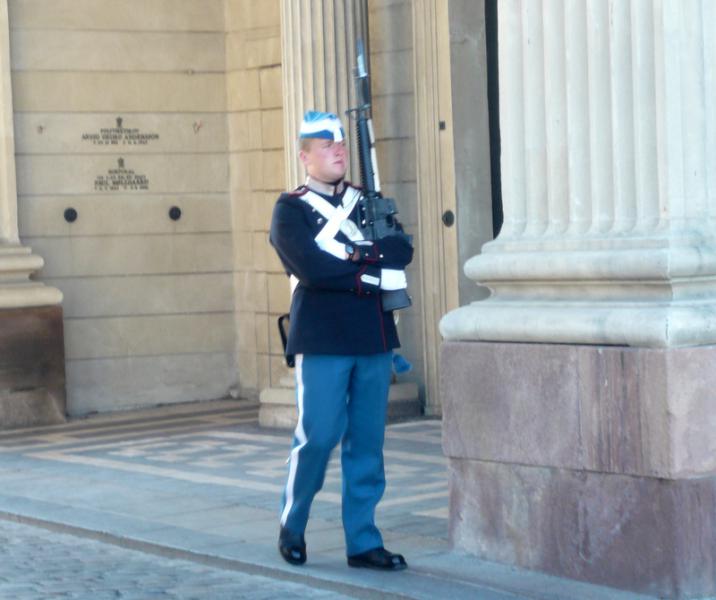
[32,367]
[593,463]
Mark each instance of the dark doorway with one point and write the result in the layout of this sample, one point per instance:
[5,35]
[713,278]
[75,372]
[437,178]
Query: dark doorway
[493,107]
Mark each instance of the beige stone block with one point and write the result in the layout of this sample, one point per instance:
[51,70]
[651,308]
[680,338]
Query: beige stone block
[245,286]
[279,299]
[262,371]
[248,372]
[278,408]
[245,332]
[243,90]
[390,27]
[154,335]
[272,128]
[243,210]
[394,116]
[275,346]
[271,87]
[116,215]
[255,134]
[83,50]
[239,139]
[256,170]
[410,329]
[134,255]
[263,210]
[243,250]
[279,370]
[248,14]
[112,384]
[47,91]
[241,216]
[274,176]
[261,290]
[118,15]
[265,328]
[83,133]
[392,72]
[396,160]
[146,295]
[406,199]
[264,50]
[236,51]
[261,250]
[240,173]
[179,173]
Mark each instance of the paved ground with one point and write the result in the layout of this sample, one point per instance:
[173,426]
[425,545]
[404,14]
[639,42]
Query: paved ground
[37,564]
[136,492]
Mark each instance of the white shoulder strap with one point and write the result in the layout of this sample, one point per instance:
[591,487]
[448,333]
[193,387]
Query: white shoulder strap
[335,218]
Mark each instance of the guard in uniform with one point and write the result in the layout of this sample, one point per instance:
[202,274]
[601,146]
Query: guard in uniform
[342,342]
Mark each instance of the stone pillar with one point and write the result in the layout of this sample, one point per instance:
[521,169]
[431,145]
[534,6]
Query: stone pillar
[32,384]
[318,59]
[588,452]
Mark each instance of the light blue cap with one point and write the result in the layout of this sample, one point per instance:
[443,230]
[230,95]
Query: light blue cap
[324,125]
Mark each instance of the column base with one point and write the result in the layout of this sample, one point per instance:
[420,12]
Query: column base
[641,534]
[587,462]
[278,405]
[32,367]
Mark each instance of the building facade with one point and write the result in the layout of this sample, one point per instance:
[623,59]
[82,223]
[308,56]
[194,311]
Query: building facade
[150,143]
[144,145]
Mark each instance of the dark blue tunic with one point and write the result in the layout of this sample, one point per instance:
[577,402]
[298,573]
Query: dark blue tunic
[333,310]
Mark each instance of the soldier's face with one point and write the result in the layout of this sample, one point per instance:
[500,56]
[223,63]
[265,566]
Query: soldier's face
[325,160]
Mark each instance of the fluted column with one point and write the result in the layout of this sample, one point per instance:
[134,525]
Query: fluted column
[318,60]
[608,125]
[17,262]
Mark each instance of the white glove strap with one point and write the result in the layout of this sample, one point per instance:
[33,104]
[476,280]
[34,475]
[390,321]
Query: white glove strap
[392,279]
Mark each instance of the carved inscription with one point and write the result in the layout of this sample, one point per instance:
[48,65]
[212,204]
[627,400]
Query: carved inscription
[120,136]
[121,179]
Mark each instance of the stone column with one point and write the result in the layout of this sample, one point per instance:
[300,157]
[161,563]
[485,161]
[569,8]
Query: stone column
[318,54]
[608,125]
[591,453]
[318,59]
[31,342]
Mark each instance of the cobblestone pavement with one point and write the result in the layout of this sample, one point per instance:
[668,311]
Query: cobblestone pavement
[37,564]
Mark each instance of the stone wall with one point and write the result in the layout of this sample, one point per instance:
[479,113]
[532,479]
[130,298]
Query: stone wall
[149,306]
[159,310]
[255,115]
[391,48]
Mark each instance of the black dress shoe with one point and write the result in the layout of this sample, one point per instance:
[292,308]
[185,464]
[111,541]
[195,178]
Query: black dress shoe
[292,547]
[378,558]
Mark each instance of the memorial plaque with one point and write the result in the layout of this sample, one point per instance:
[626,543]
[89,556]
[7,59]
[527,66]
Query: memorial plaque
[119,136]
[121,179]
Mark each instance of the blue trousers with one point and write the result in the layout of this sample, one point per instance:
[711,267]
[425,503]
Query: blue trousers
[340,398]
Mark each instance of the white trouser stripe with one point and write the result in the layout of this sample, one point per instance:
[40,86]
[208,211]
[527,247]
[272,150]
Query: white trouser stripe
[301,437]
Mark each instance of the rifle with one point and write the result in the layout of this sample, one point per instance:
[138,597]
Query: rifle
[376,214]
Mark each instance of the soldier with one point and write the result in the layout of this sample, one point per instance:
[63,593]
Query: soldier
[342,342]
